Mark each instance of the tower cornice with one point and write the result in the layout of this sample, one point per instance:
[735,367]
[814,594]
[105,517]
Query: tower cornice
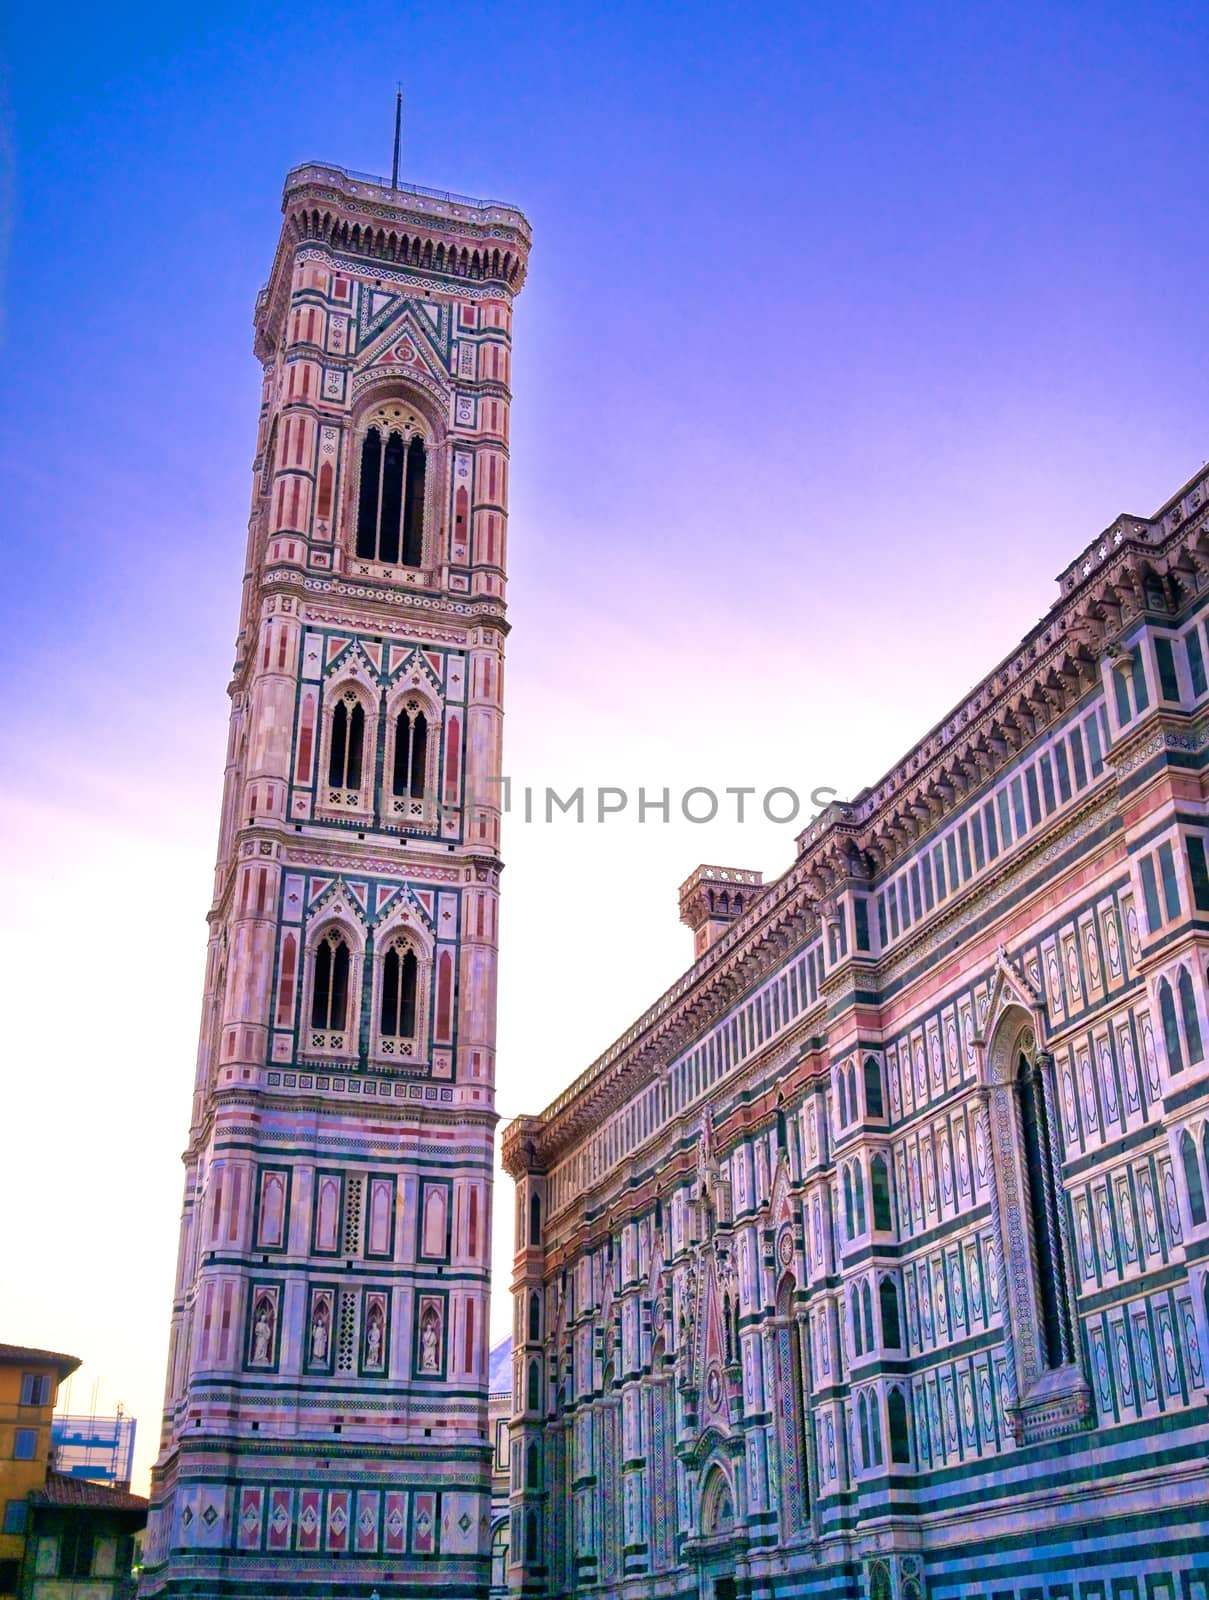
[448,241]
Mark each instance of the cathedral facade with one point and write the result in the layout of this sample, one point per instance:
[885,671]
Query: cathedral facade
[325,1423]
[871,1261]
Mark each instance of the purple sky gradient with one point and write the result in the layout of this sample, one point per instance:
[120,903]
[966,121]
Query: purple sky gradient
[847,327]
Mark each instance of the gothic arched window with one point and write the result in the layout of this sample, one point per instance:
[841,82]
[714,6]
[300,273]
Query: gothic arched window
[1043,1212]
[880,1183]
[347,743]
[873,1088]
[329,986]
[533,1388]
[887,1296]
[390,500]
[900,1439]
[858,1194]
[867,1314]
[535,1220]
[875,1427]
[410,765]
[790,1409]
[535,1316]
[1171,1031]
[841,1088]
[533,1467]
[1192,1026]
[1022,1137]
[400,971]
[1192,1179]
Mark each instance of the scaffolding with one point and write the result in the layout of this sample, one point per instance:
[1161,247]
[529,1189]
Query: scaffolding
[100,1448]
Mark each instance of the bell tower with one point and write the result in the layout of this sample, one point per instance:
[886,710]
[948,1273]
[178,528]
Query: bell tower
[325,1419]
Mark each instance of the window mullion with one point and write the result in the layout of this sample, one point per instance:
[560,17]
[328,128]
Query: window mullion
[403,507]
[381,487]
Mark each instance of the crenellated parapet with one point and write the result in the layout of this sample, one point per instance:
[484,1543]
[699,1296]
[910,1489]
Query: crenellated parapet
[451,243]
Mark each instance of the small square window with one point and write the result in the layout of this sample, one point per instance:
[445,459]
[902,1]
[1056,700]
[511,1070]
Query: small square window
[25,1444]
[14,1516]
[35,1389]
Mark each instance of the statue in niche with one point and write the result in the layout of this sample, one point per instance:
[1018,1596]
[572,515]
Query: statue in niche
[430,1338]
[319,1333]
[373,1338]
[262,1332]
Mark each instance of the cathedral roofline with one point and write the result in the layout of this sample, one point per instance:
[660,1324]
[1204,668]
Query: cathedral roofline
[1101,594]
[1136,564]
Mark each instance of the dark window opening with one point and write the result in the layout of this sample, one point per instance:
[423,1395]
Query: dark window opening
[400,972]
[900,1442]
[1171,888]
[390,500]
[330,998]
[880,1182]
[347,744]
[75,1551]
[873,1088]
[892,1333]
[1150,893]
[390,517]
[413,531]
[1192,1179]
[1034,1127]
[1192,1026]
[1169,683]
[1196,664]
[367,500]
[35,1389]
[1198,871]
[1137,675]
[1171,1032]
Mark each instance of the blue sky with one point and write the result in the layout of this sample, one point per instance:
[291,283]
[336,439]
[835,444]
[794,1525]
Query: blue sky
[846,327]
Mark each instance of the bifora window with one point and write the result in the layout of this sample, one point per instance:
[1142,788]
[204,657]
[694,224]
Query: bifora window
[411,752]
[400,971]
[347,743]
[390,500]
[329,997]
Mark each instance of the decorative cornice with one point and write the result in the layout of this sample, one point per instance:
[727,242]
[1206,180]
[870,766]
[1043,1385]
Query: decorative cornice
[430,239]
[1136,566]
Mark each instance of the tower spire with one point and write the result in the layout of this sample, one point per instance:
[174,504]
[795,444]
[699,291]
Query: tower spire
[394,168]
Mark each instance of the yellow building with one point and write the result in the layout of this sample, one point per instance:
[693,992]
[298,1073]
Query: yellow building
[29,1387]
